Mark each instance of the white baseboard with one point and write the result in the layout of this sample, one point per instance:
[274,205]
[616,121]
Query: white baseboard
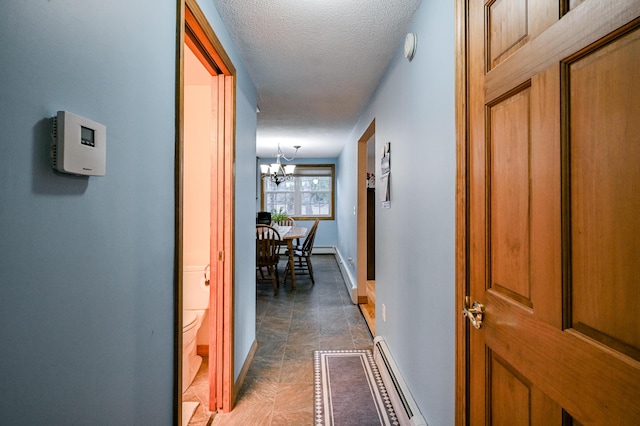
[403,403]
[349,280]
[324,250]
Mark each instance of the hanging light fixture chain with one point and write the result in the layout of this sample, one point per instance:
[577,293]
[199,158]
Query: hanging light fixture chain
[281,154]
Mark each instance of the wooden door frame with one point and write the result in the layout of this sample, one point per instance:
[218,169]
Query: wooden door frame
[462,212]
[361,219]
[211,53]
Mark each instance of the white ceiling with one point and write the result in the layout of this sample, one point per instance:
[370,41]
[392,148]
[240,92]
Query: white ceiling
[315,64]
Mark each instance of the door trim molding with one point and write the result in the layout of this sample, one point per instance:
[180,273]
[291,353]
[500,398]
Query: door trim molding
[361,191]
[178,217]
[194,30]
[462,212]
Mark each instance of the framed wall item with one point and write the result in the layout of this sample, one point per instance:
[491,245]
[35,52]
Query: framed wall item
[385,174]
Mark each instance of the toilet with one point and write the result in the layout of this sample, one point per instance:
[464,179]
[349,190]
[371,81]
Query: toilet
[195,303]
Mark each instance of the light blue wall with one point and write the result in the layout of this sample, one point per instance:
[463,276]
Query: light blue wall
[415,238]
[86,272]
[327,233]
[245,177]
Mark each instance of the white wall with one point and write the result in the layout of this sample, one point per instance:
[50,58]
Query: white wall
[415,238]
[86,272]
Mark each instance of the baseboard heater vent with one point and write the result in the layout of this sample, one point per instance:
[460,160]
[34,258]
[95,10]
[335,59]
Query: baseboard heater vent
[403,402]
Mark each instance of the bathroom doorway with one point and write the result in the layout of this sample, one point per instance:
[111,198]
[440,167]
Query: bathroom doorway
[205,149]
[196,239]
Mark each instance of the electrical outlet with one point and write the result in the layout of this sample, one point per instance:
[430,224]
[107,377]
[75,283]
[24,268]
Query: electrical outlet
[384,313]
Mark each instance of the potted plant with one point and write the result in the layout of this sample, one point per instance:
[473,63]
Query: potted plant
[279,215]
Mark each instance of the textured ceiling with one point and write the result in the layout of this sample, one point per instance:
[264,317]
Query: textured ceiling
[315,64]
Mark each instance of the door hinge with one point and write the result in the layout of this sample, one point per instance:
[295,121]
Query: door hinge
[221,256]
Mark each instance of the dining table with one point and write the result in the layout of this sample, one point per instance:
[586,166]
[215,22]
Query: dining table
[288,235]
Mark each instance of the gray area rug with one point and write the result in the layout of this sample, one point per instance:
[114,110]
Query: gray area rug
[349,390]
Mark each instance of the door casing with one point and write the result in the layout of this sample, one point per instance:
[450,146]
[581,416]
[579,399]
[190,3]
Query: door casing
[361,182]
[193,29]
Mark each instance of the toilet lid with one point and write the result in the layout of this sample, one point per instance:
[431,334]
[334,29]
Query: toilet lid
[188,319]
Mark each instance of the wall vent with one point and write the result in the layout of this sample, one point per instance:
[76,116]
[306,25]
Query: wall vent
[54,143]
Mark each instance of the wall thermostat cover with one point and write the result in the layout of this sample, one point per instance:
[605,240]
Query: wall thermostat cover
[79,145]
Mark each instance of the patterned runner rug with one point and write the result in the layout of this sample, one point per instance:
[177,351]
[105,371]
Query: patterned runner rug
[349,390]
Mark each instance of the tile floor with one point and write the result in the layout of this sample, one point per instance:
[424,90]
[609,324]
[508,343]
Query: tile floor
[278,389]
[199,392]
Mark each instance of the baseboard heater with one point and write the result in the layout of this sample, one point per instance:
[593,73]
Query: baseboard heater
[403,403]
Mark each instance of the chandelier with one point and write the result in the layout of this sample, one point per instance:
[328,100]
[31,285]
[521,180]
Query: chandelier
[276,172]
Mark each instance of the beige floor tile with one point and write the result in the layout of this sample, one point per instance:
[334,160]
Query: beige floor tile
[254,414]
[285,418]
[294,397]
[297,371]
[278,388]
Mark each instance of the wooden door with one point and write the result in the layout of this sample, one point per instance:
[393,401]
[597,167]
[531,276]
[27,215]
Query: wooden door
[221,370]
[551,212]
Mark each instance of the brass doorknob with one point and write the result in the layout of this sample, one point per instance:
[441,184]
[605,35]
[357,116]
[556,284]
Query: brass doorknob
[475,313]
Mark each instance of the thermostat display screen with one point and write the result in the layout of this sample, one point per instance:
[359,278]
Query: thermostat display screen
[87,136]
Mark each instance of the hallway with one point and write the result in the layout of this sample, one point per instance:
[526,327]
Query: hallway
[278,389]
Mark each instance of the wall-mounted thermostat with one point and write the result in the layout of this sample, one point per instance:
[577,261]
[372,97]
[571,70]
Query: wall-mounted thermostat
[79,145]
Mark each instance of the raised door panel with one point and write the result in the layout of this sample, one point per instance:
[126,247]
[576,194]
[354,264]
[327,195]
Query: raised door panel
[515,401]
[604,169]
[510,395]
[512,23]
[508,158]
[507,28]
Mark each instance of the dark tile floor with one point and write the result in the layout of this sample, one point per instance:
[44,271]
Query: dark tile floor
[278,389]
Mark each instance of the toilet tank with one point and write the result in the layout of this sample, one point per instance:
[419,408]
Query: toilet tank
[195,293]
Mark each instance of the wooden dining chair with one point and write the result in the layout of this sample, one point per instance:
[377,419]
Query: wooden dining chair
[263,218]
[284,222]
[302,254]
[268,242]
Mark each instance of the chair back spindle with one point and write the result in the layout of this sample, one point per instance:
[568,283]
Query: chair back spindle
[268,242]
[284,222]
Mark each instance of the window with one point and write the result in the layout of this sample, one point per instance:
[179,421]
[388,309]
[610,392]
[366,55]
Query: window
[308,195]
